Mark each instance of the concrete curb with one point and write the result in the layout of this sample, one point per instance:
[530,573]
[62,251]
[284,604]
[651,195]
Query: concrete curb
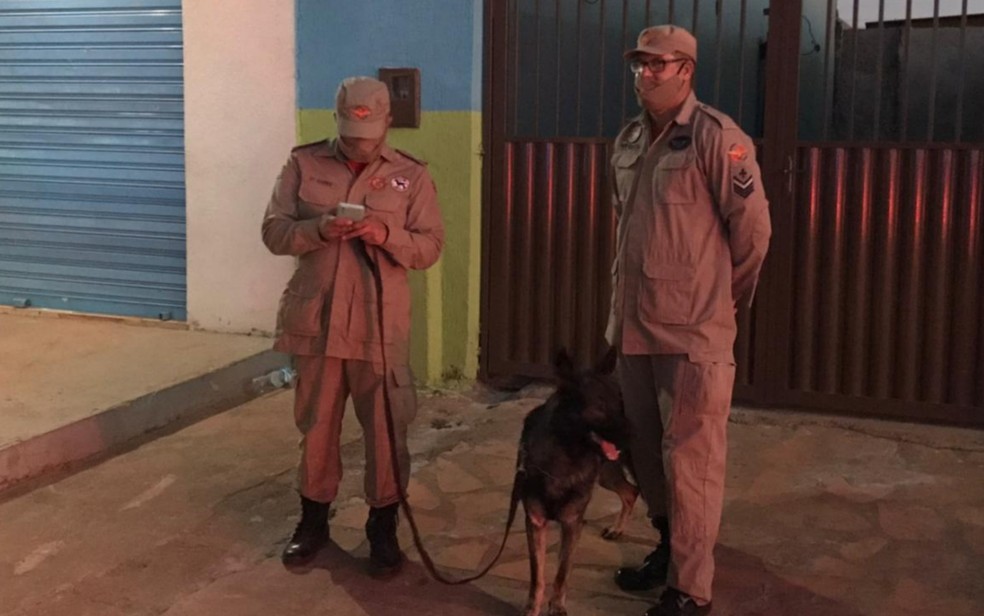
[199,397]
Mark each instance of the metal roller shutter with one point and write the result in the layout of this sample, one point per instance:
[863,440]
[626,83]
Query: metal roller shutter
[92,188]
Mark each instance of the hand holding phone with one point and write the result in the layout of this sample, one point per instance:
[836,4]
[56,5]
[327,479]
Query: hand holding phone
[351,211]
[371,231]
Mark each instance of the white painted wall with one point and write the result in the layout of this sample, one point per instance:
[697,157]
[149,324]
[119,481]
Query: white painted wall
[240,106]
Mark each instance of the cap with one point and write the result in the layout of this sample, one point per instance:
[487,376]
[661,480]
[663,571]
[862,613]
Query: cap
[362,106]
[660,40]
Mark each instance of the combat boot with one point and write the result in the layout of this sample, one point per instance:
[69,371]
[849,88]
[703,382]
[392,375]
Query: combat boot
[385,557]
[676,603]
[310,535]
[655,566]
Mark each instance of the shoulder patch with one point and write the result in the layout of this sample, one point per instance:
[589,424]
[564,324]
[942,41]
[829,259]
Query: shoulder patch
[419,161]
[630,133]
[737,153]
[308,145]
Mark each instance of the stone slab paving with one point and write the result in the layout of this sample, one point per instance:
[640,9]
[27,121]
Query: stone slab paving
[823,517]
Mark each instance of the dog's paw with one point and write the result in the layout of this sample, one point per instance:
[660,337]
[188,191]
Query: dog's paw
[611,533]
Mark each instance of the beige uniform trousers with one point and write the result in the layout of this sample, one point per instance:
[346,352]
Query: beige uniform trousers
[323,386]
[679,416]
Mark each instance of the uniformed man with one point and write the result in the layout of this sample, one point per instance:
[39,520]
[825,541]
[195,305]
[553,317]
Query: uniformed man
[328,317]
[693,229]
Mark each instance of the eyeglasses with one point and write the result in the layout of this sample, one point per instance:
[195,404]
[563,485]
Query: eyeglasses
[655,66]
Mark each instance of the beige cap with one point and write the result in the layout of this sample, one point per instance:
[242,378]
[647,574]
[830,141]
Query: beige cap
[362,106]
[660,40]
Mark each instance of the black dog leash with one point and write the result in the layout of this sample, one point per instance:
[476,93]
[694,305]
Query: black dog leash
[391,433]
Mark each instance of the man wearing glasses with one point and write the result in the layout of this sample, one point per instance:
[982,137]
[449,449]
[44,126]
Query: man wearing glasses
[693,232]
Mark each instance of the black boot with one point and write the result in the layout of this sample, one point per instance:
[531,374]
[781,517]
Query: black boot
[676,603]
[654,567]
[385,557]
[310,535]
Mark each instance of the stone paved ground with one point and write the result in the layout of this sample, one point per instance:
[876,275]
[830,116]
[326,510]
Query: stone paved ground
[823,517]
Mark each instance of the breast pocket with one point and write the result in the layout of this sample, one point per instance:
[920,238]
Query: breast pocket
[317,197]
[387,205]
[673,181]
[624,165]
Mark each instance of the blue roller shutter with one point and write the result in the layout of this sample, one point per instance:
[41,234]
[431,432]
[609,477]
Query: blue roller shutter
[92,189]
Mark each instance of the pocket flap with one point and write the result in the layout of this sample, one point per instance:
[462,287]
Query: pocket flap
[668,271]
[676,160]
[384,201]
[402,375]
[301,286]
[318,193]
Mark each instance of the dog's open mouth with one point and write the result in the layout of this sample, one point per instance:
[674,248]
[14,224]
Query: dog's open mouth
[607,447]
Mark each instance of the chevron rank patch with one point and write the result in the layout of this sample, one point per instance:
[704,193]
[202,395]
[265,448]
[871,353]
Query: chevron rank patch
[742,183]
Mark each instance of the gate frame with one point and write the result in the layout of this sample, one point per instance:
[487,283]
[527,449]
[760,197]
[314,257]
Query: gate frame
[770,348]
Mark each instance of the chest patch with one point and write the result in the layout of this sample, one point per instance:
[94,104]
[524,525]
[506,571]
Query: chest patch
[400,183]
[681,142]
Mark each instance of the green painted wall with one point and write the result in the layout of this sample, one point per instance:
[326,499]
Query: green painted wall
[445,297]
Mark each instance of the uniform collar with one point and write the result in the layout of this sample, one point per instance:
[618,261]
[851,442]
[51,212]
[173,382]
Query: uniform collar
[687,110]
[682,118]
[329,148]
[388,153]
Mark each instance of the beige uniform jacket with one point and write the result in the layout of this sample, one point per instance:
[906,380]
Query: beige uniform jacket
[693,230]
[329,307]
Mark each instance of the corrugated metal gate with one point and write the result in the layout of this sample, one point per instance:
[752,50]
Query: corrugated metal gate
[92,194]
[871,301]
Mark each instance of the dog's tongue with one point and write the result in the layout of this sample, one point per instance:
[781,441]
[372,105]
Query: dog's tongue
[609,449]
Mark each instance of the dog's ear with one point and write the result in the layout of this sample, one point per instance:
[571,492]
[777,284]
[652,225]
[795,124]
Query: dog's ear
[606,365]
[563,364]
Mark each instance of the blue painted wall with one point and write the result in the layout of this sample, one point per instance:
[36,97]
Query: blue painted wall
[340,38]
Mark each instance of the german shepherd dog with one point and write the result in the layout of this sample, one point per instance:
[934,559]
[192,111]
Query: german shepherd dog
[565,444]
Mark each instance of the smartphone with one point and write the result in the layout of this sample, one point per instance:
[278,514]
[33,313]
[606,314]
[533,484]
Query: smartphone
[352,211]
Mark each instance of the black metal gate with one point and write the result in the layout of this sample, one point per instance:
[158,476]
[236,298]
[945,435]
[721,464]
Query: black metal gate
[871,298]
